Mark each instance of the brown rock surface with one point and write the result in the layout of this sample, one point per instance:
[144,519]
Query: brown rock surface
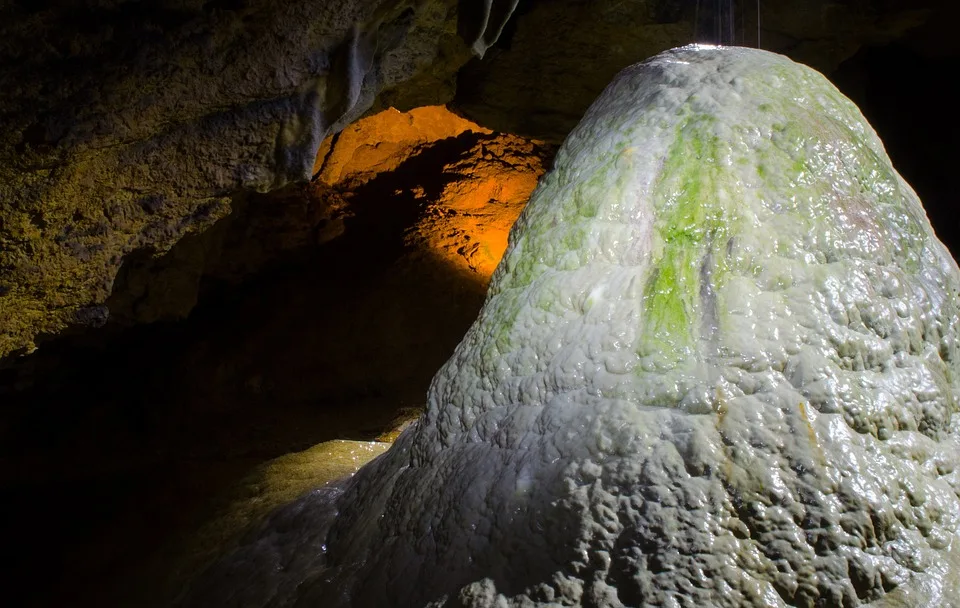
[128,125]
[468,224]
[467,212]
[380,143]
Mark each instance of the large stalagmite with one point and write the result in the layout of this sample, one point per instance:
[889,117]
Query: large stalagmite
[718,366]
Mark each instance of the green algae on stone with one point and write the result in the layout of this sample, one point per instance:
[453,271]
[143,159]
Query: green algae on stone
[719,365]
[690,221]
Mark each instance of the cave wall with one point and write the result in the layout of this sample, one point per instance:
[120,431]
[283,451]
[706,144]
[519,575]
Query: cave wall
[128,125]
[921,142]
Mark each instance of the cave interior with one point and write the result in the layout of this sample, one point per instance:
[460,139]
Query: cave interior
[319,309]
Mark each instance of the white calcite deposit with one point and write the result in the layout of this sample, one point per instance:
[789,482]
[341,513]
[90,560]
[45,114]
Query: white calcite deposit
[718,366]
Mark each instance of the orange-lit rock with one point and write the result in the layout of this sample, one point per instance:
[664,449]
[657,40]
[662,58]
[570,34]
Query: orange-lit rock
[381,142]
[469,223]
[467,184]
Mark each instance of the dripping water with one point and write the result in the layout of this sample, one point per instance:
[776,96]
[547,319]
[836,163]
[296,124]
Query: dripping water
[726,22]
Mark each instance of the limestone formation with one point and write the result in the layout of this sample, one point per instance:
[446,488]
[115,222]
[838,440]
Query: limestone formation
[718,366]
[128,125]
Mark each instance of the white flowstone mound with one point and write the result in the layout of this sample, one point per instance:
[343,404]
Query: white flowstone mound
[718,366]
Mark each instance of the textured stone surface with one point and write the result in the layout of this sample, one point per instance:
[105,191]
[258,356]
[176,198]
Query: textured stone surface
[331,300]
[467,208]
[128,125]
[467,225]
[380,143]
[718,366]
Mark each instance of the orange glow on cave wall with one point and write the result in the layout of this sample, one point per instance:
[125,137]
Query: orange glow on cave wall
[469,183]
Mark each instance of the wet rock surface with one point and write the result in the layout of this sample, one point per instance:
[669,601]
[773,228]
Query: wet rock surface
[256,501]
[719,365]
